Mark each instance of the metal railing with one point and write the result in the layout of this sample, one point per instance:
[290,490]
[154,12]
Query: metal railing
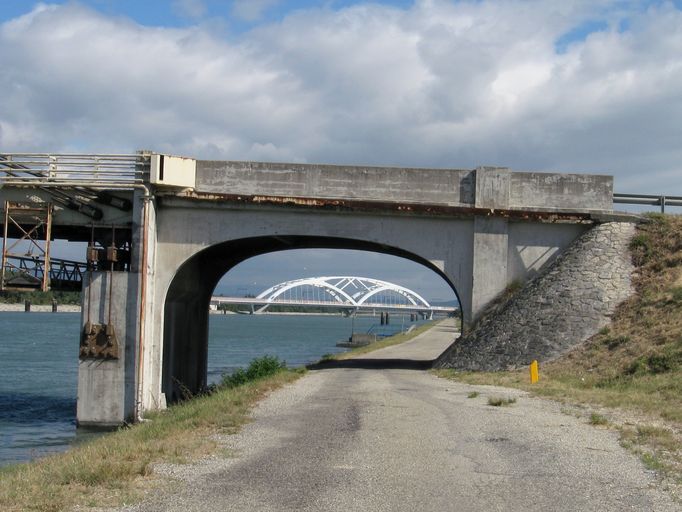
[29,271]
[646,199]
[91,171]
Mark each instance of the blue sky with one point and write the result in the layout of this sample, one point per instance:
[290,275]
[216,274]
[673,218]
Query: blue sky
[234,16]
[580,86]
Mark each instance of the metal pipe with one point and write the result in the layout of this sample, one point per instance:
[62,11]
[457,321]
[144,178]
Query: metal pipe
[4,247]
[143,306]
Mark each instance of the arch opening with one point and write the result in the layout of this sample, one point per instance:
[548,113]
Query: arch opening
[186,307]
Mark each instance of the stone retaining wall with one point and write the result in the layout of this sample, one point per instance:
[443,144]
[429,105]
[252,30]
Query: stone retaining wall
[555,311]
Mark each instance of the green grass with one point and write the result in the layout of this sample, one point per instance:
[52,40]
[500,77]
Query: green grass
[598,419]
[115,468]
[473,394]
[259,368]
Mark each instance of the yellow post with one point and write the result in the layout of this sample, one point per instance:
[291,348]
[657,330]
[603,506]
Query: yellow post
[534,374]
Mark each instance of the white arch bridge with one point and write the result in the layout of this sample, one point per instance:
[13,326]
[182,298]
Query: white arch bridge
[350,293]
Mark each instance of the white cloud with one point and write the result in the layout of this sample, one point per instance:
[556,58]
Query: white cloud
[251,10]
[440,84]
[193,9]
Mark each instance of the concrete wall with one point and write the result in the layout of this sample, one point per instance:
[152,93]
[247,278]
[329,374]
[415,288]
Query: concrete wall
[561,191]
[433,186]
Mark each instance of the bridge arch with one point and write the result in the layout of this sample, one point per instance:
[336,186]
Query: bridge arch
[335,287]
[186,304]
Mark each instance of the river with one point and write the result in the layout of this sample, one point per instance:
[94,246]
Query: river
[39,366]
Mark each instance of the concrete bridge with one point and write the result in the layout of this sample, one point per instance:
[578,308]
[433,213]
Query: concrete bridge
[163,230]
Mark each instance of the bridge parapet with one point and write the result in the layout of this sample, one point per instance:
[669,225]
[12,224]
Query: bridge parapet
[484,187]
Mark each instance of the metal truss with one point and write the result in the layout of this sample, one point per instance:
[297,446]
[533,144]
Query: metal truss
[350,291]
[34,223]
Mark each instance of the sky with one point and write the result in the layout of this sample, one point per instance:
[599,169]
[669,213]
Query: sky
[561,86]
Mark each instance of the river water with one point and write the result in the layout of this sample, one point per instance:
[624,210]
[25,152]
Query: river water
[39,366]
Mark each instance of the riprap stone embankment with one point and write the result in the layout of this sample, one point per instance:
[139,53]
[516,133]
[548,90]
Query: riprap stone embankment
[556,310]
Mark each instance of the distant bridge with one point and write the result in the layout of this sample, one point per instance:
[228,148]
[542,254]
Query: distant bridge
[347,292]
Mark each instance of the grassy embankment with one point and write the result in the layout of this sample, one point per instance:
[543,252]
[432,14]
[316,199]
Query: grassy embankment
[396,339]
[629,376]
[116,468]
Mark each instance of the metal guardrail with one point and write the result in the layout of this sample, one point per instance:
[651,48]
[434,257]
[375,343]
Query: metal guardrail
[91,171]
[646,199]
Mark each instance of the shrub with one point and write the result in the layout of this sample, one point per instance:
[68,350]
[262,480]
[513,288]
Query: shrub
[258,368]
[661,362]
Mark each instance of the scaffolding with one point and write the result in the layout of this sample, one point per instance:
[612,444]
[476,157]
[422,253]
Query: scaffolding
[32,223]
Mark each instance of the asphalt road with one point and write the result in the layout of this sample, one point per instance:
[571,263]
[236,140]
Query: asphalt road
[348,439]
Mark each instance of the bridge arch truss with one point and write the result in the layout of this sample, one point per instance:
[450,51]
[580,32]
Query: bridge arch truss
[345,291]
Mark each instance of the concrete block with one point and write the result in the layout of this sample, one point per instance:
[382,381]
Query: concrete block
[492,187]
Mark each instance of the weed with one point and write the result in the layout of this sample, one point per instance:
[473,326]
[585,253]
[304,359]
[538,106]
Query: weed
[652,462]
[613,342]
[665,361]
[497,401]
[598,419]
[640,247]
[473,394]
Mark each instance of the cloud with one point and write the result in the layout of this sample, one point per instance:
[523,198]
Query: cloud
[448,84]
[193,9]
[251,10]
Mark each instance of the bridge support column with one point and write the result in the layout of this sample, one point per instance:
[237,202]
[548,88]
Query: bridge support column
[113,327]
[491,245]
[106,368]
[491,239]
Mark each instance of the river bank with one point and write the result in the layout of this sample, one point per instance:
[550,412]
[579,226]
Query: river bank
[39,308]
[118,467]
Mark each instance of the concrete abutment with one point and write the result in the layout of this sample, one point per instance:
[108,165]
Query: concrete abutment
[557,310]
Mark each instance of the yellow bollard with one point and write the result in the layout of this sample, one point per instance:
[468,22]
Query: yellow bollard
[534,374]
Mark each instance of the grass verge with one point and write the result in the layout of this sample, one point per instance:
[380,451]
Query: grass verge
[115,468]
[396,339]
[631,371]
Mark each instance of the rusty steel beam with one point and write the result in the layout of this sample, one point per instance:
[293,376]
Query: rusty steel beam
[353,205]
